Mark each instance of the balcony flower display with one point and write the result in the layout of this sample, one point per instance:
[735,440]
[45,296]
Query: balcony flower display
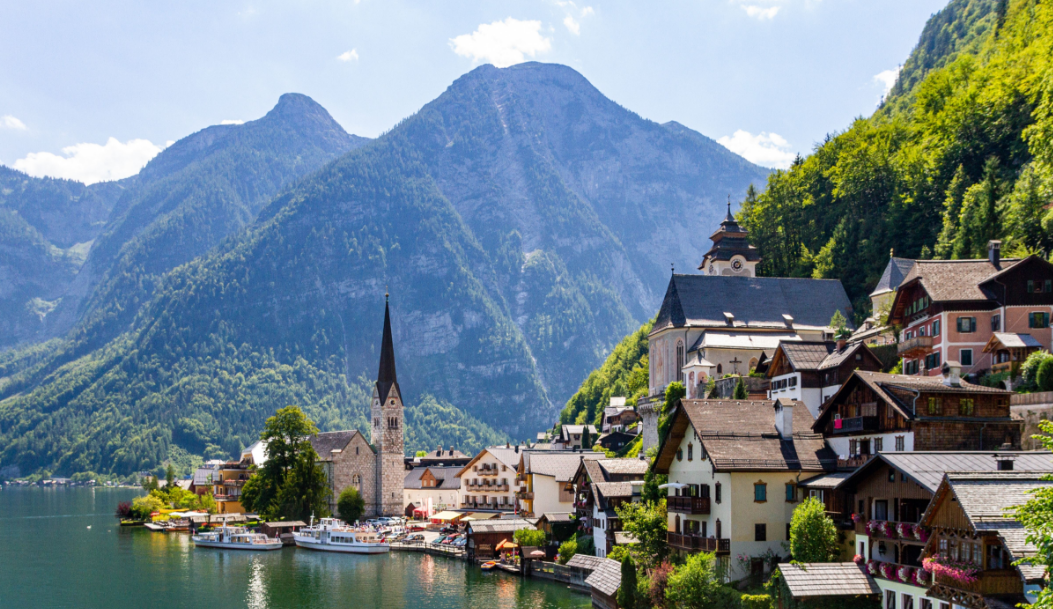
[961,572]
[858,559]
[922,578]
[856,517]
[881,528]
[905,530]
[920,534]
[887,570]
[872,567]
[905,575]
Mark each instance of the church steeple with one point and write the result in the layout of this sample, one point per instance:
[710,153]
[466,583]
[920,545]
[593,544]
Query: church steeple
[731,253]
[386,377]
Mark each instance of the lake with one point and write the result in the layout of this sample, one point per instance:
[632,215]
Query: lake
[49,558]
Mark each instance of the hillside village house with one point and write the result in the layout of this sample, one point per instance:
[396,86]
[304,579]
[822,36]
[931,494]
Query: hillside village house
[225,478]
[617,416]
[969,523]
[875,412]
[488,481]
[891,493]
[726,319]
[811,372]
[431,489]
[951,309]
[570,437]
[733,470]
[440,457]
[600,486]
[872,331]
[547,477]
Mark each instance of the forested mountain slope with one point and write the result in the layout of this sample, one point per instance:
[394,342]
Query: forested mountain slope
[522,223]
[961,153]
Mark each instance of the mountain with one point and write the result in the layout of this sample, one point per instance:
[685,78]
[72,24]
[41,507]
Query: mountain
[47,227]
[959,154]
[522,223]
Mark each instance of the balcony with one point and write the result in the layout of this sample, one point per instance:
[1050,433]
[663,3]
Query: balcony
[525,495]
[915,347]
[904,531]
[856,424]
[853,462]
[697,543]
[688,505]
[487,472]
[1002,582]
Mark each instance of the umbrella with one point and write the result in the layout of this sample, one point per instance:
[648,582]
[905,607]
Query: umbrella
[507,544]
[537,554]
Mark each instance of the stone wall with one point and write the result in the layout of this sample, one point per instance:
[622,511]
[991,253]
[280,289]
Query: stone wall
[648,409]
[356,463]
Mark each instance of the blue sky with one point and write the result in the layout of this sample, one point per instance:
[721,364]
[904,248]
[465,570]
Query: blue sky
[92,90]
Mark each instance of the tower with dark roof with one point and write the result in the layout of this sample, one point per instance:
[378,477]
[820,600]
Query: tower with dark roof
[731,253]
[387,436]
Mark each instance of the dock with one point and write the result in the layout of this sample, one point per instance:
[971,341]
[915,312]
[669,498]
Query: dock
[427,548]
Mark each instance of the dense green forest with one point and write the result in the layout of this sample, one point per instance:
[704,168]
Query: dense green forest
[623,373]
[961,152]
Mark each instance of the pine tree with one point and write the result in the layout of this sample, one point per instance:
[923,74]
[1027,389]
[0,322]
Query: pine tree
[586,438]
[627,591]
[740,391]
[952,210]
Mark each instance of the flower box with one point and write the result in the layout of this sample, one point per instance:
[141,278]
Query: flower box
[961,572]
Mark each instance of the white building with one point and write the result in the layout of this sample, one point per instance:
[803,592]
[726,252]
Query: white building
[548,476]
[433,488]
[488,482]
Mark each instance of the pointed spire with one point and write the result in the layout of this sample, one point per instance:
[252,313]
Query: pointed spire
[386,375]
[729,217]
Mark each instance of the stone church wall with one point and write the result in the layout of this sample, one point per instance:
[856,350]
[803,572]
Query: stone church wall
[349,464]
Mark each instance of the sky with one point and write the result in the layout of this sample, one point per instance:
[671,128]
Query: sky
[92,91]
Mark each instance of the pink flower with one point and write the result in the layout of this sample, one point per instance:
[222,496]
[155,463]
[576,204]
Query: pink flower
[857,559]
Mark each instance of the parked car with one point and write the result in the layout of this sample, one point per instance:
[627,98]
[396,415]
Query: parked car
[415,537]
[415,527]
[438,540]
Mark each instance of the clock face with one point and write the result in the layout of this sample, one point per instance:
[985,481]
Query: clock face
[736,264]
[711,269]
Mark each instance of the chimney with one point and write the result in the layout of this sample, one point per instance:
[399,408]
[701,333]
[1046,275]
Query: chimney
[784,418]
[517,449]
[952,373]
[994,253]
[841,344]
[1004,461]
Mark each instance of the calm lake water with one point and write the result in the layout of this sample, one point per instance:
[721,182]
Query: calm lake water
[49,558]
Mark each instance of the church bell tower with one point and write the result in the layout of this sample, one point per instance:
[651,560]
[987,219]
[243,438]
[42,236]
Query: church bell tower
[731,253]
[387,436]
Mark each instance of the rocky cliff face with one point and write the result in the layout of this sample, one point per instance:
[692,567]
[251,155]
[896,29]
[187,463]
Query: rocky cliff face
[522,222]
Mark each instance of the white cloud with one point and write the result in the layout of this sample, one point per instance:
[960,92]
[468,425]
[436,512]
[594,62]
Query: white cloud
[90,163]
[351,55]
[761,12]
[502,43]
[232,121]
[9,122]
[571,21]
[887,79]
[767,149]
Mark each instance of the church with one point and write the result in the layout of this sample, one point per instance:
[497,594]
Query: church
[726,319]
[376,468]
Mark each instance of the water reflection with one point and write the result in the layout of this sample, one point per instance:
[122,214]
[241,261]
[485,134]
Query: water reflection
[48,558]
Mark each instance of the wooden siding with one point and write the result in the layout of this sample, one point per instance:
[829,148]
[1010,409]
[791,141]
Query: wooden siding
[877,486]
[934,434]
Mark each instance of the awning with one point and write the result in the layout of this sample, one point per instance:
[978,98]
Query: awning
[446,516]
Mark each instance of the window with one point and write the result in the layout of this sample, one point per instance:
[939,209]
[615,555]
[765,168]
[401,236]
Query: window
[679,454]
[966,407]
[679,360]
[966,325]
[900,441]
[935,406]
[891,475]
[760,532]
[965,357]
[718,529]
[716,493]
[936,328]
[760,492]
[879,444]
[924,603]
[787,531]
[932,360]
[1049,285]
[793,381]
[1038,319]
[791,493]
[690,452]
[908,602]
[994,557]
[890,599]
[996,323]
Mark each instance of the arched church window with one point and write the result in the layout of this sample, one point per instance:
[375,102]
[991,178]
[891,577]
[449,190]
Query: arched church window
[679,360]
[753,364]
[720,370]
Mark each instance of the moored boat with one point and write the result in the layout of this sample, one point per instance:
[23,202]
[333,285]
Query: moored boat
[332,535]
[235,538]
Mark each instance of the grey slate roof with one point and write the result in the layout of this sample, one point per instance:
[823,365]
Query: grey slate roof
[499,525]
[561,466]
[507,456]
[756,302]
[807,355]
[556,516]
[446,476]
[613,489]
[623,466]
[831,480]
[956,280]
[326,442]
[1012,340]
[810,580]
[584,561]
[928,467]
[606,577]
[895,271]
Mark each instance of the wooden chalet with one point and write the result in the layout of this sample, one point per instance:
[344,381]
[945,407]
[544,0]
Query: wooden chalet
[876,412]
[812,371]
[973,535]
[600,487]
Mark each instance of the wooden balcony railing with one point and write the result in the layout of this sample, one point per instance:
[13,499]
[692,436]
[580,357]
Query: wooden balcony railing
[913,347]
[988,583]
[527,495]
[688,505]
[697,543]
[854,424]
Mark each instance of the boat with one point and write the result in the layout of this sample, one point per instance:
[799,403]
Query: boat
[488,566]
[332,535]
[235,538]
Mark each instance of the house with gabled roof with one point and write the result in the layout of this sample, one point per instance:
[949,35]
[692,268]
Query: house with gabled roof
[877,412]
[974,532]
[812,371]
[949,309]
[872,331]
[600,486]
[547,477]
[733,468]
[433,488]
[488,481]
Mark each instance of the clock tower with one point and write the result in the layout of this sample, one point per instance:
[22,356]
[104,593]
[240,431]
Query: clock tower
[731,253]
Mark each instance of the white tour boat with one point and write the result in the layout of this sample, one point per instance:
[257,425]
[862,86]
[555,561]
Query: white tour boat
[332,535]
[236,538]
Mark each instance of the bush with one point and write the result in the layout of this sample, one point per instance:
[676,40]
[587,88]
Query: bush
[124,510]
[567,550]
[350,505]
[1029,369]
[695,585]
[529,538]
[756,601]
[657,584]
[1044,377]
[142,507]
[627,591]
